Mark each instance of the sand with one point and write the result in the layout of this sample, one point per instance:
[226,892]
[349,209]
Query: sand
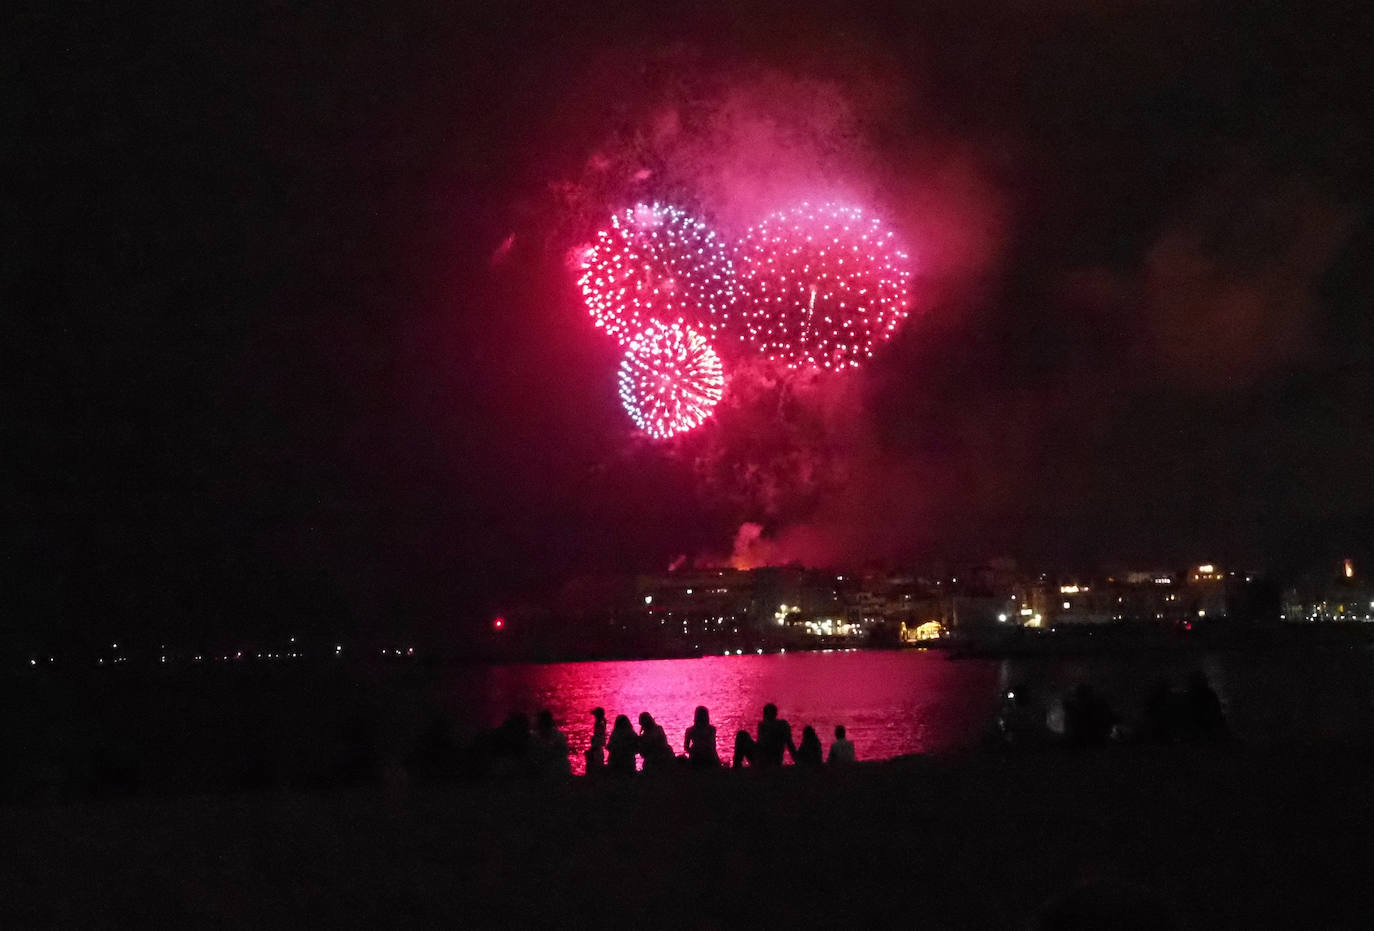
[1222,836]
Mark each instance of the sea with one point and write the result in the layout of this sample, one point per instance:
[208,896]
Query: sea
[895,703]
[287,725]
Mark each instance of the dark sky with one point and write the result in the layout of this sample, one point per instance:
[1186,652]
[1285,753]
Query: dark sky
[264,366]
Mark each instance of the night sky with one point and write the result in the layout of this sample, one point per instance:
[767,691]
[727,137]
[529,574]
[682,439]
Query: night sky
[291,338]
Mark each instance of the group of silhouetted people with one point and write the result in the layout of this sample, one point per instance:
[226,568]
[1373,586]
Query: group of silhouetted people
[625,745]
[1081,718]
[1084,718]
[775,738]
[515,749]
[619,751]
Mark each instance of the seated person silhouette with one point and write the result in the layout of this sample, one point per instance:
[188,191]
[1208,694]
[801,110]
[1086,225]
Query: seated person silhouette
[809,752]
[596,751]
[623,746]
[775,736]
[699,743]
[548,748]
[653,743]
[842,750]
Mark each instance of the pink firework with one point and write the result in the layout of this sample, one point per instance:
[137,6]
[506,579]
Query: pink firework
[823,286]
[670,379]
[657,263]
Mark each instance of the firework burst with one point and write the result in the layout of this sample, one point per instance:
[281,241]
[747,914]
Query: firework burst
[655,262]
[670,380]
[822,285]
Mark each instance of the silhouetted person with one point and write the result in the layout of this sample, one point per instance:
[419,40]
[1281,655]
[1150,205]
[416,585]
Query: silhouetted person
[512,744]
[596,751]
[548,750]
[699,743]
[842,750]
[744,750]
[1203,717]
[653,744]
[1087,718]
[437,751]
[1160,721]
[1018,722]
[623,746]
[809,752]
[775,736]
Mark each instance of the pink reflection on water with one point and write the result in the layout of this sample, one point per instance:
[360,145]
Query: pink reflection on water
[892,703]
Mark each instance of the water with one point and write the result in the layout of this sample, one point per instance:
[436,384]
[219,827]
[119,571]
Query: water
[895,703]
[196,729]
[892,703]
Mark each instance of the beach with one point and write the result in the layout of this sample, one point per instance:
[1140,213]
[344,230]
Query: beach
[1222,836]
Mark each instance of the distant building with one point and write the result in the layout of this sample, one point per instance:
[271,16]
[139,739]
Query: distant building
[1348,596]
[920,633]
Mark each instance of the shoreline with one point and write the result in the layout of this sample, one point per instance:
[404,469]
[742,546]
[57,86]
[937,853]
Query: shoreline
[1225,836]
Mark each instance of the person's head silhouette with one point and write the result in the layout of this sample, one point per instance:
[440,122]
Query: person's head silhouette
[702,718]
[770,712]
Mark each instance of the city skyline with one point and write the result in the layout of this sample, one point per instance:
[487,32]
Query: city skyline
[298,340]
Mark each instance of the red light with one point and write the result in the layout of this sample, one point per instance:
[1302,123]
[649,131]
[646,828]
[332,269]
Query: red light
[499,623]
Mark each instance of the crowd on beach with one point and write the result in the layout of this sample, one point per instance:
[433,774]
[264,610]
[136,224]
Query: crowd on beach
[360,750]
[1079,718]
[1083,717]
[544,749]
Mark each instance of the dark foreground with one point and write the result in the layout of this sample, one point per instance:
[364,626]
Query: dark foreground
[1224,837]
